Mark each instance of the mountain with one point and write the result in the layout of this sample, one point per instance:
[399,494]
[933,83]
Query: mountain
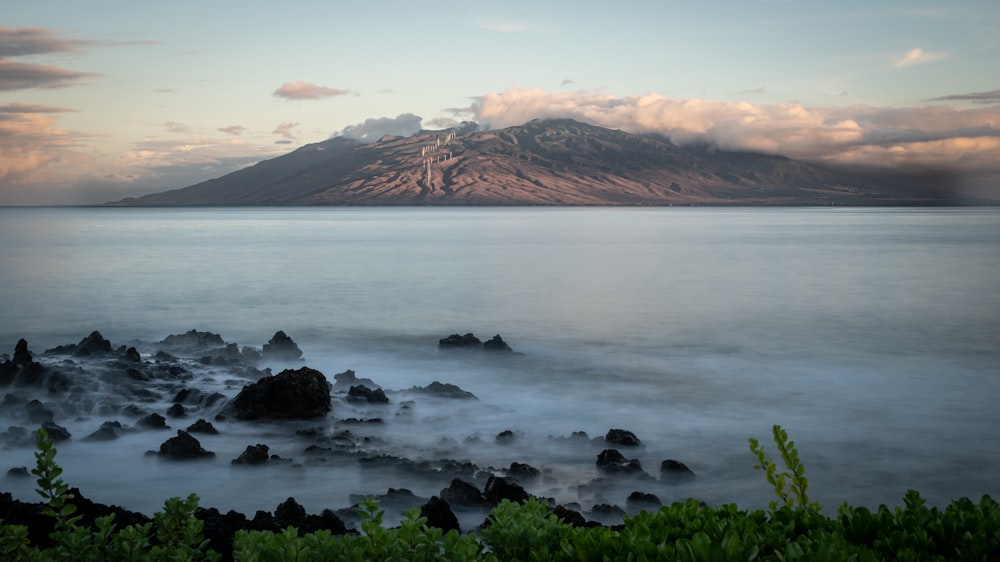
[543,162]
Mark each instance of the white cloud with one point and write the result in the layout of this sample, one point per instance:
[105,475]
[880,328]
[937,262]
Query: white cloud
[917,56]
[285,130]
[305,91]
[371,130]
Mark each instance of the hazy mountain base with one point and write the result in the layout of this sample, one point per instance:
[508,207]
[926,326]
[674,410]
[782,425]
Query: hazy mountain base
[545,162]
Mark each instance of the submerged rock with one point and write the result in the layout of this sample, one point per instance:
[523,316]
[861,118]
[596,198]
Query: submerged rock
[253,454]
[94,344]
[444,390]
[496,343]
[361,393]
[439,515]
[457,341]
[183,446]
[499,489]
[281,348]
[675,472]
[291,394]
[622,437]
[611,461]
[193,339]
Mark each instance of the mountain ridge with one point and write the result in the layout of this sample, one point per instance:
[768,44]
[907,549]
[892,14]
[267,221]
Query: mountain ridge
[543,162]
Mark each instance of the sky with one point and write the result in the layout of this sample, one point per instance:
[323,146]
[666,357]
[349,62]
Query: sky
[106,99]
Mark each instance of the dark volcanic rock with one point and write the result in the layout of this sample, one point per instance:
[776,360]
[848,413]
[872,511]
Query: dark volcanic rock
[521,472]
[184,446]
[56,432]
[94,344]
[253,454]
[132,354]
[281,348]
[496,343]
[153,421]
[21,354]
[643,500]
[38,413]
[291,394]
[347,379]
[610,461]
[361,393]
[444,390]
[109,431]
[570,517]
[202,426]
[457,341]
[674,472]
[506,437]
[193,339]
[177,410]
[439,515]
[499,489]
[464,494]
[18,472]
[622,437]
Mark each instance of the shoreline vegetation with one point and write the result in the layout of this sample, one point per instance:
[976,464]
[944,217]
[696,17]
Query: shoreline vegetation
[66,527]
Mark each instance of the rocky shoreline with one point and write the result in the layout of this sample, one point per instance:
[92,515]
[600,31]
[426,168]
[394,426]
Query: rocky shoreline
[187,383]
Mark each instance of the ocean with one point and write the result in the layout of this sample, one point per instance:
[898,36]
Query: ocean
[871,335]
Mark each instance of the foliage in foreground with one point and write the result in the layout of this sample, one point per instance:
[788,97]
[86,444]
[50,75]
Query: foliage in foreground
[792,529]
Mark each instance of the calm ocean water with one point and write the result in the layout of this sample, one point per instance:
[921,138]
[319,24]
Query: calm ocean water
[872,335]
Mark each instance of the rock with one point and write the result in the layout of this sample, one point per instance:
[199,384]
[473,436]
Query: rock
[193,339]
[608,512]
[254,454]
[506,437]
[184,446]
[622,437]
[289,513]
[361,393]
[457,341]
[674,472]
[38,413]
[499,489]
[444,390]
[202,426]
[21,354]
[176,410]
[18,472]
[496,343]
[153,421]
[462,493]
[642,500]
[570,517]
[94,344]
[108,431]
[439,515]
[132,354]
[520,472]
[610,461]
[347,379]
[291,394]
[56,432]
[281,348]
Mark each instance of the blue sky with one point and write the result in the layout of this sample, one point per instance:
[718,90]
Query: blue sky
[105,99]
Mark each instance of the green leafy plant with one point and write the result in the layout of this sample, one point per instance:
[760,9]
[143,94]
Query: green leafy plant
[51,487]
[791,486]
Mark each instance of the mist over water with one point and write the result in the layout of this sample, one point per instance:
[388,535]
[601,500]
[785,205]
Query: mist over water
[870,334]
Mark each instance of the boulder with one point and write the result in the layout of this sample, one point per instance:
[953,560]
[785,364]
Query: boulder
[21,354]
[347,379]
[291,394]
[202,426]
[281,348]
[183,446]
[361,393]
[506,437]
[193,339]
[496,343]
[643,500]
[109,431]
[444,390]
[177,410]
[439,515]
[132,354]
[521,472]
[462,493]
[56,432]
[37,412]
[457,341]
[253,454]
[153,421]
[610,461]
[499,489]
[675,472]
[622,437]
[94,344]
[289,513]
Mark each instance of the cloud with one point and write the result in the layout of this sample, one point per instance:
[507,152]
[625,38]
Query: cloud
[283,141]
[21,76]
[25,41]
[917,56]
[371,130]
[966,138]
[992,96]
[175,127]
[305,91]
[566,82]
[233,129]
[285,130]
[34,151]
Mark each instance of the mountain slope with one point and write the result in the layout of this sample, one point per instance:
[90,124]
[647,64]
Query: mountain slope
[550,162]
